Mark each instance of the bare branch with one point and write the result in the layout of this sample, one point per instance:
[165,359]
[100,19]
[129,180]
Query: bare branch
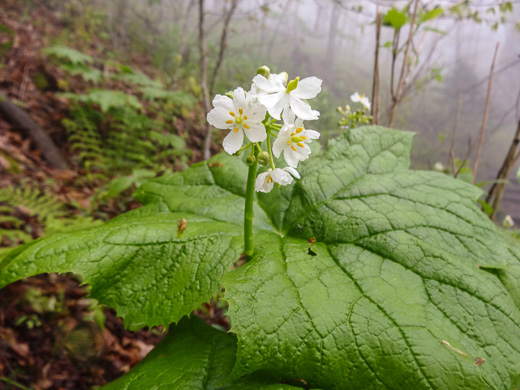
[223,44]
[376,81]
[486,112]
[203,78]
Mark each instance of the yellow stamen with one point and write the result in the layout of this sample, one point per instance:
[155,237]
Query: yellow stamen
[236,130]
[246,126]
[269,179]
[299,129]
[240,111]
[229,121]
[231,113]
[293,148]
[245,117]
[300,144]
[289,142]
[302,137]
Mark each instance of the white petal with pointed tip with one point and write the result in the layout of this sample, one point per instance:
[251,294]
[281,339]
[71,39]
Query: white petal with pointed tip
[303,110]
[308,88]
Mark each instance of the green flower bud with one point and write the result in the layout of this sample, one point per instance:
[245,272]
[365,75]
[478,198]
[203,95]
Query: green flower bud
[285,77]
[264,71]
[251,159]
[293,84]
[263,158]
[229,94]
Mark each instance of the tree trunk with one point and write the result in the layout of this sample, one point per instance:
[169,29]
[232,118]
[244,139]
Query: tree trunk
[16,117]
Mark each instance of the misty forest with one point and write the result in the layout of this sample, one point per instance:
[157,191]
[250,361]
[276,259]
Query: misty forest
[259,194]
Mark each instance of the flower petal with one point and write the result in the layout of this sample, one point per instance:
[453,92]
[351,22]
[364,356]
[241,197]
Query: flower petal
[218,117]
[281,142]
[281,177]
[256,132]
[288,117]
[283,104]
[355,97]
[239,99]
[223,102]
[308,88]
[292,171]
[255,112]
[312,134]
[272,99]
[290,158]
[233,141]
[303,110]
[268,86]
[261,184]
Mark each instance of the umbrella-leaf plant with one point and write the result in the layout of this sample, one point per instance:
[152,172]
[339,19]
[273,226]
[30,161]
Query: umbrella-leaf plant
[364,274]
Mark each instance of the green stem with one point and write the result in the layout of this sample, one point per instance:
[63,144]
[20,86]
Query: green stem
[243,148]
[270,151]
[248,212]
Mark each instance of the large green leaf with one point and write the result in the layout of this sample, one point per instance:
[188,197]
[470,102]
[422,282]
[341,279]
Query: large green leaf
[392,292]
[138,264]
[193,355]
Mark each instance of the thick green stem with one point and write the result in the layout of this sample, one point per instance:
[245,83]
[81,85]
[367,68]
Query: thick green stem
[248,212]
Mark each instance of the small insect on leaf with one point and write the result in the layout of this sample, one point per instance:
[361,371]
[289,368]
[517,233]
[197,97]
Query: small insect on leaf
[217,165]
[182,224]
[479,361]
[312,240]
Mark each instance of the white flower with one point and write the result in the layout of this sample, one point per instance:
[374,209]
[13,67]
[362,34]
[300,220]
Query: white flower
[278,79]
[293,139]
[357,98]
[265,181]
[277,98]
[241,115]
[439,166]
[508,222]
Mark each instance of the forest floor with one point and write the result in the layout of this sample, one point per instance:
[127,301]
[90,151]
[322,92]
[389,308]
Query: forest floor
[51,335]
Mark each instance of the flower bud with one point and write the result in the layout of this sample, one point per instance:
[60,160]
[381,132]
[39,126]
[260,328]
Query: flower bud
[285,77]
[251,159]
[293,84]
[264,71]
[229,94]
[263,158]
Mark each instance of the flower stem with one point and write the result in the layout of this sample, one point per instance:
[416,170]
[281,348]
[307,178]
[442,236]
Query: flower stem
[270,151]
[243,148]
[248,212]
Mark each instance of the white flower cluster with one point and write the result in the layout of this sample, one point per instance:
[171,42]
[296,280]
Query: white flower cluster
[246,114]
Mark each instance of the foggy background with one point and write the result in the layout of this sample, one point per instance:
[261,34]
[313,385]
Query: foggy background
[335,41]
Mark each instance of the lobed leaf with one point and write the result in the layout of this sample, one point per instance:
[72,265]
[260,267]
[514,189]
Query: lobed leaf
[391,295]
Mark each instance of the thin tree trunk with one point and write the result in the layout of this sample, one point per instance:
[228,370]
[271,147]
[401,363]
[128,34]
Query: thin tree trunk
[486,112]
[18,118]
[330,51]
[182,44]
[203,79]
[223,45]
[398,95]
[375,80]
[451,156]
[497,190]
